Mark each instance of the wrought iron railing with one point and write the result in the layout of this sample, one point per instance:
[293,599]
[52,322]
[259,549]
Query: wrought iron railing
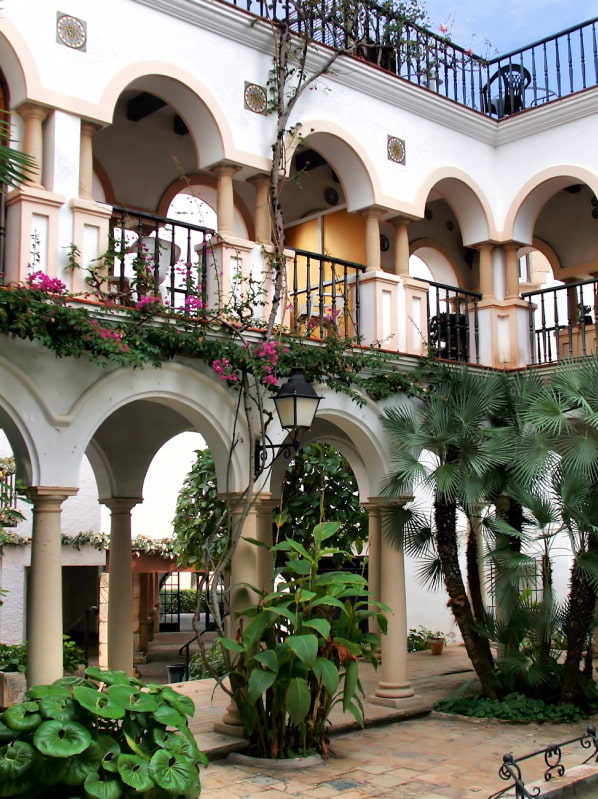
[511,771]
[151,254]
[9,499]
[562,321]
[453,322]
[324,295]
[546,70]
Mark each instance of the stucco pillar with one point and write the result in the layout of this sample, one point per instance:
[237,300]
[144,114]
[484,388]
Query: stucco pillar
[511,270]
[244,570]
[33,139]
[394,682]
[374,554]
[86,160]
[265,509]
[225,209]
[486,286]
[372,238]
[120,592]
[262,219]
[401,260]
[44,599]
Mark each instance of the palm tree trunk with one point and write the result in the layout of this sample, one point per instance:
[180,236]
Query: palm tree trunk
[478,648]
[582,600]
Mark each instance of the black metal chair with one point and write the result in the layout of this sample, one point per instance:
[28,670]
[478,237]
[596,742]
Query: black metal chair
[505,91]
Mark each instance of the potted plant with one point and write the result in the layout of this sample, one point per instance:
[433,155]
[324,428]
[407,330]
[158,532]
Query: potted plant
[436,641]
[104,736]
[297,652]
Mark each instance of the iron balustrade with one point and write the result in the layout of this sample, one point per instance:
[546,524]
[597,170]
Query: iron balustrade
[9,499]
[453,322]
[557,65]
[562,321]
[159,256]
[510,769]
[324,294]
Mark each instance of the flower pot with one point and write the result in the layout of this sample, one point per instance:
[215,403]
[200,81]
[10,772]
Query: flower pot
[436,646]
[13,685]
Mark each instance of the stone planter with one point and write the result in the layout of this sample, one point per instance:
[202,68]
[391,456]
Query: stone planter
[436,646]
[13,685]
[268,763]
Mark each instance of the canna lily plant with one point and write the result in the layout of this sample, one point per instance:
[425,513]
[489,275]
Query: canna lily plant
[296,654]
[102,737]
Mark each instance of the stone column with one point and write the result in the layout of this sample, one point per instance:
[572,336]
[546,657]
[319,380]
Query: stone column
[265,508]
[120,596]
[511,270]
[262,220]
[401,262]
[86,160]
[372,238]
[394,682]
[374,554]
[33,140]
[44,599]
[486,287]
[226,198]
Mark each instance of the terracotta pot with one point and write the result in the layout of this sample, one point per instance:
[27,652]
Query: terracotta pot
[436,646]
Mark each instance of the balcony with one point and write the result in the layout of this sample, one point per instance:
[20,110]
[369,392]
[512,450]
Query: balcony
[534,75]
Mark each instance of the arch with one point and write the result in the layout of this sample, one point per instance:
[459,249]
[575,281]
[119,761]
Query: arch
[181,90]
[18,64]
[535,193]
[346,156]
[21,443]
[437,259]
[467,200]
[193,398]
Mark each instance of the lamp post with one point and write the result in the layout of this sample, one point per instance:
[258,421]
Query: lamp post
[296,405]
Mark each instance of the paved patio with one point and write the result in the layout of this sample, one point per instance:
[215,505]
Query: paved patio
[403,753]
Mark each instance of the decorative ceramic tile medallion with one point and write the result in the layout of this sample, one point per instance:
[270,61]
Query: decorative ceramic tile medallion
[256,98]
[71,31]
[395,149]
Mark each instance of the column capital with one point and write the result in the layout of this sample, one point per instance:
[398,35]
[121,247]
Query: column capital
[372,212]
[120,504]
[33,111]
[400,219]
[259,179]
[225,168]
[50,494]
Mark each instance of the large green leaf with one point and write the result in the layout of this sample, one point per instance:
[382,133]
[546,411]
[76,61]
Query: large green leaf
[81,766]
[184,704]
[134,771]
[233,646]
[298,699]
[321,625]
[99,703]
[110,751]
[132,698]
[59,707]
[22,717]
[259,681]
[325,530]
[174,773]
[268,659]
[178,744]
[111,676]
[104,786]
[170,717]
[61,738]
[48,770]
[305,647]
[326,673]
[7,733]
[351,682]
[16,759]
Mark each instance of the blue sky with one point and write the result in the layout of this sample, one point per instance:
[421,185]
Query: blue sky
[506,24]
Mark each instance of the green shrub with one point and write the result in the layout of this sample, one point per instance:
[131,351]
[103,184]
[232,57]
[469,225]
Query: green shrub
[103,737]
[13,657]
[199,670]
[186,596]
[514,707]
[419,638]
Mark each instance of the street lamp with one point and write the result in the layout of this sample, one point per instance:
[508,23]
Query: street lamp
[296,405]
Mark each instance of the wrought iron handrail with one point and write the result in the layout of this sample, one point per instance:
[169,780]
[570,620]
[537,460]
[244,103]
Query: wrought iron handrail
[148,252]
[557,65]
[324,294]
[453,321]
[562,320]
[510,769]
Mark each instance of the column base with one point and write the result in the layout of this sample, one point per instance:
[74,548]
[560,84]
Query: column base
[234,730]
[391,694]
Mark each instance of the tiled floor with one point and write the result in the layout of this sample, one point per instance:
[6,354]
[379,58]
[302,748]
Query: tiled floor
[404,752]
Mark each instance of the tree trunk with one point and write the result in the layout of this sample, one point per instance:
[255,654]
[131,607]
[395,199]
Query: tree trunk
[582,599]
[474,581]
[478,648]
